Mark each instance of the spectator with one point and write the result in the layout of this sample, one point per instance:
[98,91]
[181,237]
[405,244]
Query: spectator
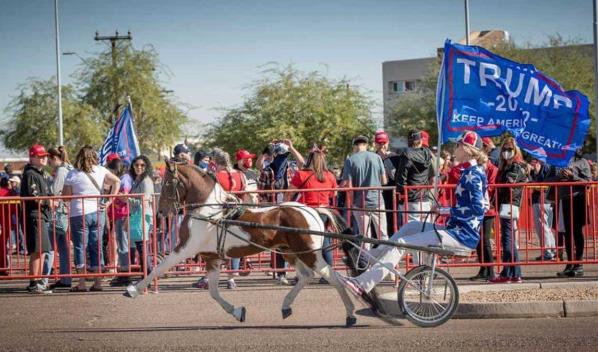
[182,153]
[118,214]
[365,169]
[484,248]
[9,171]
[491,150]
[202,159]
[59,161]
[87,216]
[512,171]
[315,175]
[542,210]
[17,227]
[574,211]
[414,169]
[389,159]
[244,164]
[594,171]
[37,214]
[141,211]
[4,223]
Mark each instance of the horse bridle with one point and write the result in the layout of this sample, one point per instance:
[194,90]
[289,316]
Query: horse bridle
[174,183]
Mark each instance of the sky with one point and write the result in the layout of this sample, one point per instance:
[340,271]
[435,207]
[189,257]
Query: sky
[215,49]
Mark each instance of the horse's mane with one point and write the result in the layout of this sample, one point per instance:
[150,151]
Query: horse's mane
[201,172]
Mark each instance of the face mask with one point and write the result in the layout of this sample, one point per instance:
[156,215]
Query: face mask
[247,163]
[508,155]
[203,165]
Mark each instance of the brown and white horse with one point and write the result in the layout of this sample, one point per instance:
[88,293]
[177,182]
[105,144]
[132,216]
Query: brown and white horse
[188,185]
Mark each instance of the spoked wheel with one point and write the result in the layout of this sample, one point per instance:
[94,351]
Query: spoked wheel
[427,300]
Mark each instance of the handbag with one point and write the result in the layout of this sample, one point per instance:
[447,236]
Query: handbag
[509,211]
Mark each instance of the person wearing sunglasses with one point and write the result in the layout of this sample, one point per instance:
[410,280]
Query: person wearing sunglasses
[141,211]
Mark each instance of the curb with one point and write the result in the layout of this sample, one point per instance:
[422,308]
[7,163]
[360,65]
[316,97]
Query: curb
[511,310]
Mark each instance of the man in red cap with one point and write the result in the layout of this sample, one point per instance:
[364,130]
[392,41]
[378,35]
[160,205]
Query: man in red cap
[390,160]
[37,214]
[245,164]
[491,150]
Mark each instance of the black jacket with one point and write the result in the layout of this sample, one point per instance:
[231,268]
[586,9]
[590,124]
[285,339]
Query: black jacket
[514,173]
[414,169]
[36,183]
[581,173]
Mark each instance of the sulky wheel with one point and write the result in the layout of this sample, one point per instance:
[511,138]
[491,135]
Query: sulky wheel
[425,302]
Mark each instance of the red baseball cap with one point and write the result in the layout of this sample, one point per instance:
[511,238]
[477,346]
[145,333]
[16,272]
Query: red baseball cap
[112,156]
[38,150]
[244,154]
[381,137]
[425,139]
[486,141]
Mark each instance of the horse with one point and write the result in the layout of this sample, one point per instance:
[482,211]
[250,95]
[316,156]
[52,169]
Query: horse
[187,186]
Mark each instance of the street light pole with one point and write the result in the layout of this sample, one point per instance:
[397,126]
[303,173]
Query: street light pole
[467,22]
[60,126]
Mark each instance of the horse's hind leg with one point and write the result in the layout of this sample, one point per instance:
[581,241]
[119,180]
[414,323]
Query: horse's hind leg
[322,268]
[304,275]
[213,266]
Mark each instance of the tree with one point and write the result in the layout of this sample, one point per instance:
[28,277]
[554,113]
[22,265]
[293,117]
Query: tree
[33,118]
[158,120]
[566,61]
[304,107]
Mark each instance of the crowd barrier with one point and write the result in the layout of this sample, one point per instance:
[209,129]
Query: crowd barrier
[77,256]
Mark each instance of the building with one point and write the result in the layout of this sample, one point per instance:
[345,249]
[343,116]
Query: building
[400,76]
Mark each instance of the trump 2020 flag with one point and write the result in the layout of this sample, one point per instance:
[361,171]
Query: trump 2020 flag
[121,139]
[483,92]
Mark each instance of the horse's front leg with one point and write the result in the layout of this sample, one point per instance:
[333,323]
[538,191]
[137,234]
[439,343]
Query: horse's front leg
[169,261]
[213,266]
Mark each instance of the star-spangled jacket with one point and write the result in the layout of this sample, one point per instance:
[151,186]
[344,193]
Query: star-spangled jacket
[472,203]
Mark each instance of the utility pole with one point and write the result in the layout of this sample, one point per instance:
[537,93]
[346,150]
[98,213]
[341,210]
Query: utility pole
[113,39]
[59,98]
[467,22]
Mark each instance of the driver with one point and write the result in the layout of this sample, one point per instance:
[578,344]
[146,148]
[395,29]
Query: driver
[461,230]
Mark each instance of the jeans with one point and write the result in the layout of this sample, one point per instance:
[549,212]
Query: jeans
[543,225]
[508,239]
[122,243]
[327,253]
[64,255]
[168,241]
[87,231]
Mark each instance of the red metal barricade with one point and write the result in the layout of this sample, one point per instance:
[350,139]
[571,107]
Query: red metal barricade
[163,232]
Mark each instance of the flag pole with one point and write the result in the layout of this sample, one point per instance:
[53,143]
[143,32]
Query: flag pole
[59,98]
[596,71]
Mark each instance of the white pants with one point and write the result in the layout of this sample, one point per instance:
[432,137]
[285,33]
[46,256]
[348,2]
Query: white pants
[367,219]
[413,207]
[543,224]
[390,256]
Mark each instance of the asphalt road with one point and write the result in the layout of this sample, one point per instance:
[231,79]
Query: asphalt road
[184,319]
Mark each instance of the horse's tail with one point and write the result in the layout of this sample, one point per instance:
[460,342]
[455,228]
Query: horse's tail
[336,221]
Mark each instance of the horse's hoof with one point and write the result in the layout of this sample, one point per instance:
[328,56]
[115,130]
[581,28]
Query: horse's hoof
[351,321]
[286,312]
[131,292]
[239,314]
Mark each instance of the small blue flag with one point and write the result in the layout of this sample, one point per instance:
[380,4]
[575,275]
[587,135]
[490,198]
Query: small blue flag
[121,139]
[483,92]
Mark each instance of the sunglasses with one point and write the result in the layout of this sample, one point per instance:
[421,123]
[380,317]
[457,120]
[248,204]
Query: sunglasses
[507,149]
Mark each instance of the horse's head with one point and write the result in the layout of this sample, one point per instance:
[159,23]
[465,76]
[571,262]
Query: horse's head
[174,189]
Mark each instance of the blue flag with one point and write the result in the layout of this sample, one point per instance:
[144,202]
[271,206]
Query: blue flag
[483,92]
[121,139]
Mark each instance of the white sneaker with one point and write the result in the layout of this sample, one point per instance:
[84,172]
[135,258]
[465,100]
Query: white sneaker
[231,284]
[282,280]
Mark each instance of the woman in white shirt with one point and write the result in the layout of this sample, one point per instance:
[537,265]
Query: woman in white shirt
[87,216]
